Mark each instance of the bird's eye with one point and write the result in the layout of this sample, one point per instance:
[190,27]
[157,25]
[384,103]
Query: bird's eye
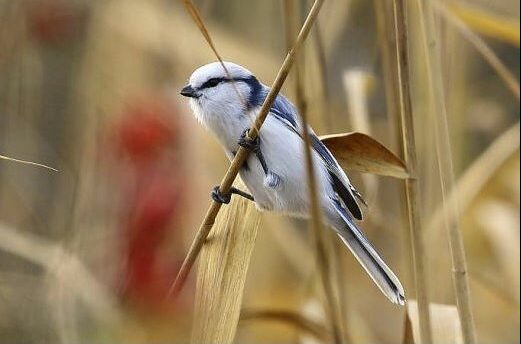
[212,82]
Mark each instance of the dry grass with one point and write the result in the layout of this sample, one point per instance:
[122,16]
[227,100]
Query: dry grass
[64,88]
[221,275]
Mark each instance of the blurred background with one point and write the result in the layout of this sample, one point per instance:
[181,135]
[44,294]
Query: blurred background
[91,88]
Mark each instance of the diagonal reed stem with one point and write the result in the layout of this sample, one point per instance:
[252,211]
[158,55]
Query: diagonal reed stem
[482,47]
[411,184]
[242,153]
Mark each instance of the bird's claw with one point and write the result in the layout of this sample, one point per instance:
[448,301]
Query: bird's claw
[219,197]
[253,145]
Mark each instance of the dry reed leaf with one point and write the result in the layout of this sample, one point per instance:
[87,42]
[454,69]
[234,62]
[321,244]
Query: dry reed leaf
[221,275]
[492,25]
[445,322]
[70,271]
[24,162]
[477,175]
[304,324]
[483,48]
[362,153]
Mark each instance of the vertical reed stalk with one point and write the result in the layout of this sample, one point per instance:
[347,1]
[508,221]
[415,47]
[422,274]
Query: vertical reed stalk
[439,115]
[411,184]
[337,247]
[318,230]
[242,153]
[323,263]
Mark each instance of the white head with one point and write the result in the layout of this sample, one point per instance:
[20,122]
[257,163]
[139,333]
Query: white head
[213,90]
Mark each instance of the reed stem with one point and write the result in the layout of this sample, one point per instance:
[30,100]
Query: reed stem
[323,262]
[439,115]
[411,183]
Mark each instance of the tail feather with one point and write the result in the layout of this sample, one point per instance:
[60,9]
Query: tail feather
[371,261]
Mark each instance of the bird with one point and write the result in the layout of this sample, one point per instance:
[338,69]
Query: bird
[225,98]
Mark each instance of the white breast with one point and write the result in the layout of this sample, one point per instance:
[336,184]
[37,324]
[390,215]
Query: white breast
[284,153]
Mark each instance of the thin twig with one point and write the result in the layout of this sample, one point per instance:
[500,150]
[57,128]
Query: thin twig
[322,67]
[504,28]
[318,229]
[322,257]
[411,184]
[445,166]
[242,153]
[488,54]
[25,162]
[196,16]
[477,175]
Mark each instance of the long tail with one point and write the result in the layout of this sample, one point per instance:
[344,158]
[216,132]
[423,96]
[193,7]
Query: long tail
[365,253]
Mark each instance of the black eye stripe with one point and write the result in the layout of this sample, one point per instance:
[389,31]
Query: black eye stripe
[216,81]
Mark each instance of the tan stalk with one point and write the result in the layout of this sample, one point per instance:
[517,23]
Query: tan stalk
[318,229]
[242,153]
[488,54]
[222,270]
[438,111]
[412,183]
[503,28]
[322,256]
[25,162]
[477,175]
[337,247]
[196,16]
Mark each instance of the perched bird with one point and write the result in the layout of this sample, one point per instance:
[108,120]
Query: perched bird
[226,101]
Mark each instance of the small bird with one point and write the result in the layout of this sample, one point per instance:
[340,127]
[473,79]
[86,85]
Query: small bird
[226,101]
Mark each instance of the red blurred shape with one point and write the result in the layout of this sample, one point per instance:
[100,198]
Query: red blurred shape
[51,21]
[146,129]
[152,181]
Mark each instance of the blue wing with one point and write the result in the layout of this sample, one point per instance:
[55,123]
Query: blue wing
[284,111]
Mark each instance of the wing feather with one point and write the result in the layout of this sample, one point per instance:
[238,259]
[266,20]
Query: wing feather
[284,111]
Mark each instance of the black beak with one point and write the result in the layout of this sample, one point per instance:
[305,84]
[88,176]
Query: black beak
[188,91]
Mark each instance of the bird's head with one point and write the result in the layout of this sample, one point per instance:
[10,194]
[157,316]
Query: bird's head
[215,90]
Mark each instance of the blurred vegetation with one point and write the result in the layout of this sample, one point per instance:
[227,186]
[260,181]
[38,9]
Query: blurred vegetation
[87,254]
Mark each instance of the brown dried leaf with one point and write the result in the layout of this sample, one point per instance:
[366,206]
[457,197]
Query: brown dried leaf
[360,152]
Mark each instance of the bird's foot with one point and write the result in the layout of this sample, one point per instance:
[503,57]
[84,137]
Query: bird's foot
[219,197]
[272,180]
[253,145]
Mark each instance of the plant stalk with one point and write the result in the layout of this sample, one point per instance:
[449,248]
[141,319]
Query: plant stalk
[411,184]
[445,165]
